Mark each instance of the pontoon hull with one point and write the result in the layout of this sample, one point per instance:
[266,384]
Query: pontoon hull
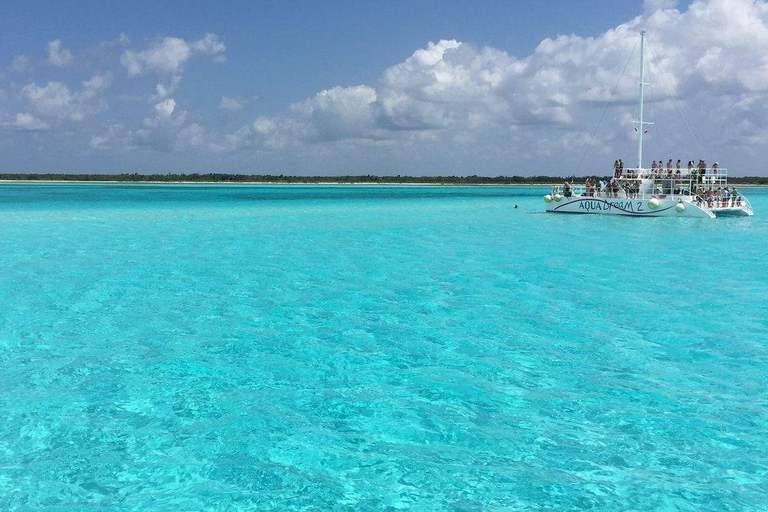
[733,212]
[628,206]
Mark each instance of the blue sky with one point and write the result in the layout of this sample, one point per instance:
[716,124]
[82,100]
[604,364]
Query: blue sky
[348,87]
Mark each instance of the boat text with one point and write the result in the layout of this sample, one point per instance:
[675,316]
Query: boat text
[627,206]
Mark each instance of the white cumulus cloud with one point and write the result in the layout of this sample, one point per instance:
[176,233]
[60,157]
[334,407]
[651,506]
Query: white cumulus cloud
[209,45]
[168,56]
[55,102]
[96,85]
[57,55]
[26,122]
[235,103]
[167,88]
[165,108]
[20,64]
[166,129]
[339,113]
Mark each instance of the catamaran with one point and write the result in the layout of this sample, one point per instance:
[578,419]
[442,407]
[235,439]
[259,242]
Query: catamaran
[699,191]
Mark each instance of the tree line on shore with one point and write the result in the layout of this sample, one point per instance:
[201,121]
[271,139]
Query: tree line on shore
[267,178]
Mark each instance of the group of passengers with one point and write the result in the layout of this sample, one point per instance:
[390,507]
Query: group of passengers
[610,188]
[719,198]
[712,198]
[698,172]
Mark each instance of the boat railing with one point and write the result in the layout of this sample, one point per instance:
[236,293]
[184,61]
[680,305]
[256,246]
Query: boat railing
[747,203]
[707,175]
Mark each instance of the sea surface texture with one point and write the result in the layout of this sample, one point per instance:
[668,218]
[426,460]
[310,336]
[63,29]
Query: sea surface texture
[293,348]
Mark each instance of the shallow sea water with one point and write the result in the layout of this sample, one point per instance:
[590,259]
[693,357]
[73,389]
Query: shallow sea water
[237,348]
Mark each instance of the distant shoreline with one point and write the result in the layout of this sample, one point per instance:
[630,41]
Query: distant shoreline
[306,183]
[263,179]
[394,183]
[313,183]
[255,179]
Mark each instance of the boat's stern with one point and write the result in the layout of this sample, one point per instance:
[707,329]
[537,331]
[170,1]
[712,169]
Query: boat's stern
[738,206]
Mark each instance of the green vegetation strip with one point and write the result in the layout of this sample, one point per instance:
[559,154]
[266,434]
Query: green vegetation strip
[265,178]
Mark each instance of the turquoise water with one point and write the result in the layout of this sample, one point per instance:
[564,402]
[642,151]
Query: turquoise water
[235,348]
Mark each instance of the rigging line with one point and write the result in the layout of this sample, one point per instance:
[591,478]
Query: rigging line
[631,143]
[677,105]
[578,167]
[652,106]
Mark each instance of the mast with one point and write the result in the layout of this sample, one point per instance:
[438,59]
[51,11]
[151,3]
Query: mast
[640,123]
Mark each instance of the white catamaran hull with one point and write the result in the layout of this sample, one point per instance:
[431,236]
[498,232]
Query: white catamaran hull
[627,206]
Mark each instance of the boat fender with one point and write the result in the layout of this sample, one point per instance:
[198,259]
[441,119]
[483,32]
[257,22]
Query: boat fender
[679,207]
[558,197]
[653,203]
[548,198]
